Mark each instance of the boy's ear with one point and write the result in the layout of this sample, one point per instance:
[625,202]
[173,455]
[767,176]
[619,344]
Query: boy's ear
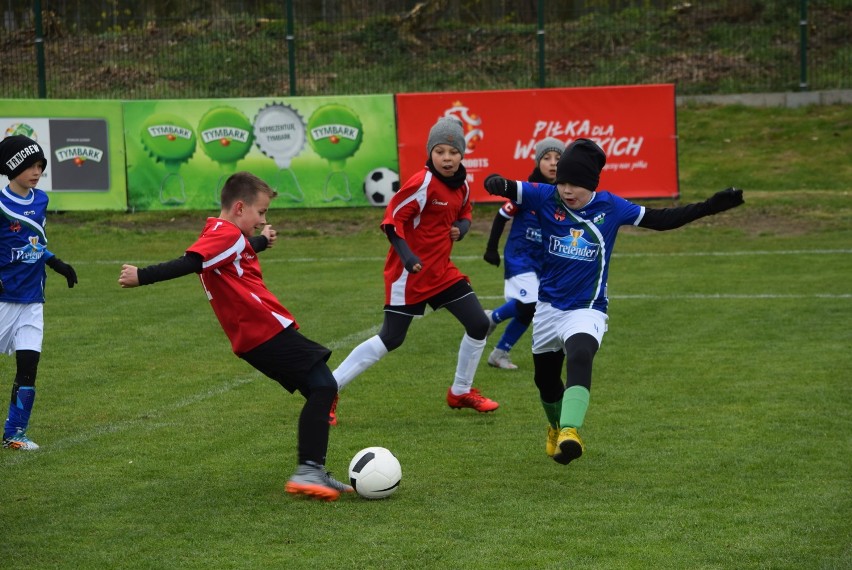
[237,208]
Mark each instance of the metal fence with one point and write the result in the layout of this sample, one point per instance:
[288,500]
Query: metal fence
[161,49]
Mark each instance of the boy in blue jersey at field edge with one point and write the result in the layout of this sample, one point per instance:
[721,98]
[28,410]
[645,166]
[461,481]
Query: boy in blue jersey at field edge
[578,230]
[23,256]
[524,256]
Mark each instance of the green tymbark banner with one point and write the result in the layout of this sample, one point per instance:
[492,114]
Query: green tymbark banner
[315,151]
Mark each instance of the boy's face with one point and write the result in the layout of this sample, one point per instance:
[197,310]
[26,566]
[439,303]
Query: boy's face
[547,165]
[446,159]
[251,217]
[575,197]
[28,178]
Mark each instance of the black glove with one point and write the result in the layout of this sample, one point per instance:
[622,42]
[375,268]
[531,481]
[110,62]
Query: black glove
[1,287]
[495,185]
[492,256]
[64,270]
[725,200]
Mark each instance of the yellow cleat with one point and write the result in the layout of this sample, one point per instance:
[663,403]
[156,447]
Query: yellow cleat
[552,438]
[569,446]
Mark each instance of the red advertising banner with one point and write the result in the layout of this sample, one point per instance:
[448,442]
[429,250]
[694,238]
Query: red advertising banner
[634,125]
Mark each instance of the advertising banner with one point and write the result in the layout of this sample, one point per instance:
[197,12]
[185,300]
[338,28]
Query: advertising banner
[84,145]
[315,151]
[634,125]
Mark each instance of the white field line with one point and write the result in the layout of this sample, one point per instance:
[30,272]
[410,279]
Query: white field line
[714,296]
[144,421]
[269,259]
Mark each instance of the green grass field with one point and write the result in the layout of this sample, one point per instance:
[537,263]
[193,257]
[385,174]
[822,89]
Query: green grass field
[718,434]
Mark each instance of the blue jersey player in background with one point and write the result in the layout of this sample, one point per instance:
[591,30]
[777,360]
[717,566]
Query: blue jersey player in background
[23,256]
[523,256]
[578,229]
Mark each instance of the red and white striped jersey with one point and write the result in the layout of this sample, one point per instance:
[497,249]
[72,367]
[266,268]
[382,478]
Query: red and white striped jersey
[248,311]
[422,213]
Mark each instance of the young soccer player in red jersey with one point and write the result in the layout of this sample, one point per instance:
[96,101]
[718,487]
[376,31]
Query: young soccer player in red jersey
[262,332]
[422,221]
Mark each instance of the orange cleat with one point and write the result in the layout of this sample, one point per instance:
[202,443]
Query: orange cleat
[472,399]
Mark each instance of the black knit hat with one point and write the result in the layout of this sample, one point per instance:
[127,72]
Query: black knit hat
[17,153]
[581,164]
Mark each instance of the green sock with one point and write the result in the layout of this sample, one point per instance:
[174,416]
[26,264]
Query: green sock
[575,402]
[552,411]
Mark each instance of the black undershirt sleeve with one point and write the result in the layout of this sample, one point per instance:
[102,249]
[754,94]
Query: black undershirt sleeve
[258,243]
[497,227]
[184,265]
[463,226]
[409,260]
[671,218]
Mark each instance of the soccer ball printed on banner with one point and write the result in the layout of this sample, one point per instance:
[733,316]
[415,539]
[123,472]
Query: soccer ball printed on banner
[380,185]
[375,473]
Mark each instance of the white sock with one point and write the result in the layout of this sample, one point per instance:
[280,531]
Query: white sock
[362,357]
[470,351]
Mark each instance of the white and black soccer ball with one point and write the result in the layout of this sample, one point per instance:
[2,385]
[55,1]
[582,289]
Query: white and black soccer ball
[375,473]
[380,185]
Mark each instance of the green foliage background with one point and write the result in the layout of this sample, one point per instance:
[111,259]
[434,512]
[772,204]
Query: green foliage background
[161,50]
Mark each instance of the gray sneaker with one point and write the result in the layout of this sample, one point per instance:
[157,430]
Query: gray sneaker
[313,480]
[500,359]
[20,441]
[491,324]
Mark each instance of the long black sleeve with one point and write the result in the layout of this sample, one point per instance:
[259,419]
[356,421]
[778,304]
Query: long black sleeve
[497,227]
[184,265]
[671,218]
[409,260]
[258,243]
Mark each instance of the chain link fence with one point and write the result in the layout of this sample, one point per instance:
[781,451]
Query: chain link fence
[162,49]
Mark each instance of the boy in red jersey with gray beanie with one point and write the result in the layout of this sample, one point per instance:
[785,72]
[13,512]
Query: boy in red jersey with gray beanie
[430,212]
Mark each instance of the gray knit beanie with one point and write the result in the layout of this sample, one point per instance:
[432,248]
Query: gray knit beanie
[546,145]
[446,131]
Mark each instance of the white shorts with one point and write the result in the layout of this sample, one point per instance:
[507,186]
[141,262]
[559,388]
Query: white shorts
[21,327]
[552,327]
[523,287]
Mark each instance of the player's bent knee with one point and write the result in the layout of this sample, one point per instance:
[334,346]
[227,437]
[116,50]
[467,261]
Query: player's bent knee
[26,362]
[580,349]
[392,342]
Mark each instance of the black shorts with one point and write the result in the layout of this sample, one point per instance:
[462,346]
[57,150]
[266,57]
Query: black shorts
[454,292]
[287,358]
